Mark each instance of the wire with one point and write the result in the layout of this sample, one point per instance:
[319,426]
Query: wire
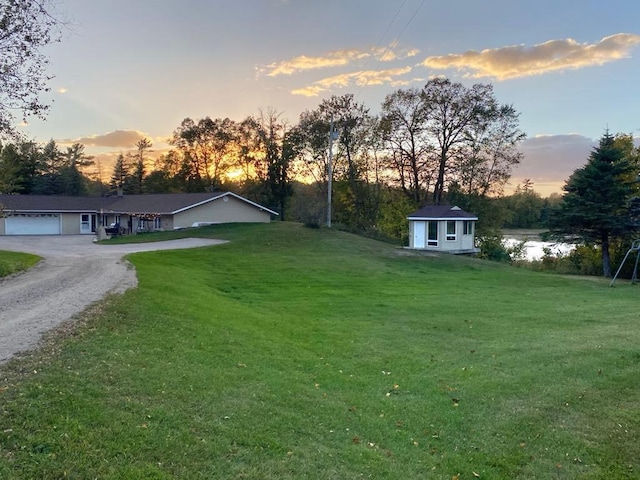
[390,24]
[395,42]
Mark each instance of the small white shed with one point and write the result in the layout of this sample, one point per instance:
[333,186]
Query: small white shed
[442,228]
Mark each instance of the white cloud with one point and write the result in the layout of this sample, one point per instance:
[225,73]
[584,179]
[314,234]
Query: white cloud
[336,58]
[520,61]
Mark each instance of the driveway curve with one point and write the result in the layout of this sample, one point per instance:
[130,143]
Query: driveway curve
[74,273]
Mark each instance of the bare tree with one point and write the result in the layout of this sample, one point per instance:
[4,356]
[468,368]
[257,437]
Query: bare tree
[403,128]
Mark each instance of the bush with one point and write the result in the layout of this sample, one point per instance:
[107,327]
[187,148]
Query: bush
[492,248]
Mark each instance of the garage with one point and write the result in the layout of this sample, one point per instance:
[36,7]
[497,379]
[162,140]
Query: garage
[32,224]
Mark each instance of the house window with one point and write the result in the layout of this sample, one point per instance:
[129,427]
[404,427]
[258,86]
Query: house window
[157,224]
[467,227]
[451,229]
[432,233]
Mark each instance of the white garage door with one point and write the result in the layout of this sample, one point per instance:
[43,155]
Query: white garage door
[32,224]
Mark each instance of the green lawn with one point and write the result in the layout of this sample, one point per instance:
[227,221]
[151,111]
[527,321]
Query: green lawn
[13,262]
[293,353]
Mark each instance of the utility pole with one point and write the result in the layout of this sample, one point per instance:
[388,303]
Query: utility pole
[333,135]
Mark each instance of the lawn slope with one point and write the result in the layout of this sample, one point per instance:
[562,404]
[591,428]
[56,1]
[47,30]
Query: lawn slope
[299,353]
[14,262]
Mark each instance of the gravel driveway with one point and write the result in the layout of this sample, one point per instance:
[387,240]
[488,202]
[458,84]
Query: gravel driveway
[75,273]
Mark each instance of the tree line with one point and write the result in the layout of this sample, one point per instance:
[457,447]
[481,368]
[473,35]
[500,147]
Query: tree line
[426,145]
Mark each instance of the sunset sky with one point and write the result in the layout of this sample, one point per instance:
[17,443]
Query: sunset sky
[128,69]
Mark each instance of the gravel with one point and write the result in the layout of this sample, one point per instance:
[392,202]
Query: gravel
[74,273]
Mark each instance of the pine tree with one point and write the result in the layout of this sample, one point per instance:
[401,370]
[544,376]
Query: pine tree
[594,206]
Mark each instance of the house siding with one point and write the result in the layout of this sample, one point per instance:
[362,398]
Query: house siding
[175,211]
[221,210]
[70,223]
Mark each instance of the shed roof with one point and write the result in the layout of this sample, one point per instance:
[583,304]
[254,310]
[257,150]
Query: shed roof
[441,212]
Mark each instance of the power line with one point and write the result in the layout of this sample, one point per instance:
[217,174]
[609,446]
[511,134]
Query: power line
[395,42]
[390,24]
[397,39]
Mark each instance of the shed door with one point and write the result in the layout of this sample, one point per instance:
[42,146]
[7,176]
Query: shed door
[419,234]
[32,224]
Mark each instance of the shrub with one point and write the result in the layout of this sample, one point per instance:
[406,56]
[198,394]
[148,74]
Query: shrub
[492,248]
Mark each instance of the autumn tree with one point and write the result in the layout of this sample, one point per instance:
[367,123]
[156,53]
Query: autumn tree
[26,28]
[272,157]
[167,175]
[351,159]
[206,146]
[594,208]
[249,143]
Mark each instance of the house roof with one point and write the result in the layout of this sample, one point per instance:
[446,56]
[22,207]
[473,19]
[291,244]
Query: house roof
[441,212]
[51,203]
[161,203]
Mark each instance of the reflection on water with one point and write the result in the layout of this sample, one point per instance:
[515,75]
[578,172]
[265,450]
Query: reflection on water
[534,250]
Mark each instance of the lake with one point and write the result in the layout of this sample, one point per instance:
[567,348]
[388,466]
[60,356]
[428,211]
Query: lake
[534,249]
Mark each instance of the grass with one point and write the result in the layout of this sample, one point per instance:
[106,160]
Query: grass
[299,353]
[13,262]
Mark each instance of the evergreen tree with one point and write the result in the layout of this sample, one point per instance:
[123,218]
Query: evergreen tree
[120,175]
[594,206]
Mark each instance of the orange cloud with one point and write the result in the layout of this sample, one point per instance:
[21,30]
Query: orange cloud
[521,61]
[336,58]
[301,63]
[361,79]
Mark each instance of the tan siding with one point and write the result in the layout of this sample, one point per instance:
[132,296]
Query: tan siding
[220,211]
[2,229]
[166,222]
[70,223]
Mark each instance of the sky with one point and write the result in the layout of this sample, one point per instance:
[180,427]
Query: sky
[132,69]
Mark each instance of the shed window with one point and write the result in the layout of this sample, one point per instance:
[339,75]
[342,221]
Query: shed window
[451,229]
[467,227]
[432,233]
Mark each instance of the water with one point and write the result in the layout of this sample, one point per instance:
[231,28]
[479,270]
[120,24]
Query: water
[534,249]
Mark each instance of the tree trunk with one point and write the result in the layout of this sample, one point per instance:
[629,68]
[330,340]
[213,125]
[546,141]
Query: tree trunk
[606,259]
[438,190]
